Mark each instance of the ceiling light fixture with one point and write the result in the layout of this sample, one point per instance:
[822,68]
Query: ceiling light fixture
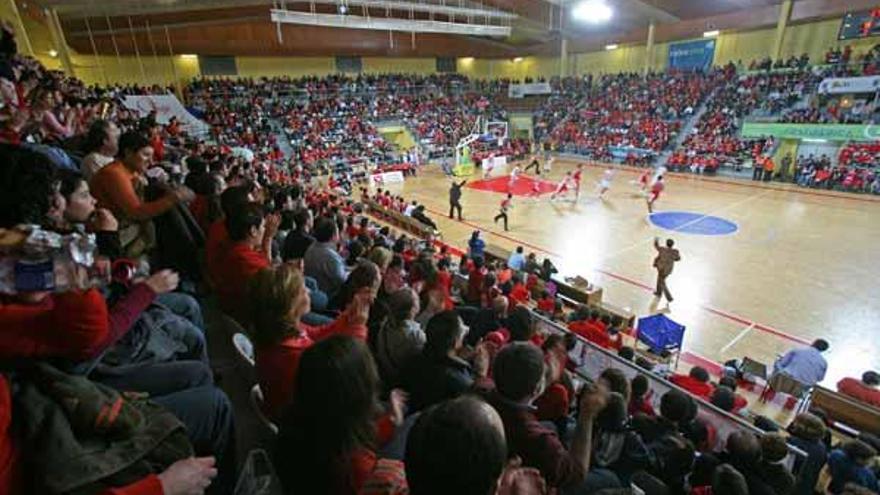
[711,34]
[592,11]
[53,53]
[612,46]
[517,59]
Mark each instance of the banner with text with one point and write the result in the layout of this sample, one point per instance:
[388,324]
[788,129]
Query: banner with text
[523,90]
[828,132]
[166,106]
[692,55]
[839,85]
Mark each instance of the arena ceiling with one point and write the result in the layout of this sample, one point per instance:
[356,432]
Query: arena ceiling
[415,27]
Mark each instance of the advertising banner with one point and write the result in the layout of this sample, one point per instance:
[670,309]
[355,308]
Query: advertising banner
[523,90]
[828,132]
[841,85]
[691,55]
[166,106]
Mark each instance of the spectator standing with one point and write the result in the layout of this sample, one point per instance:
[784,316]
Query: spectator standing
[517,260]
[664,262]
[455,197]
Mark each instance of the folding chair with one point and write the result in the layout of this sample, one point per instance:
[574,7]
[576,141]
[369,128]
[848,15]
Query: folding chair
[245,349]
[780,382]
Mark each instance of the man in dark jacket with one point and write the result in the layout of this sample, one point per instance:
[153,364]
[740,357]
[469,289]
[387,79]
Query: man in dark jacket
[455,197]
[439,374]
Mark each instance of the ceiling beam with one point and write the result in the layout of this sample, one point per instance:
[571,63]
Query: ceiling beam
[387,24]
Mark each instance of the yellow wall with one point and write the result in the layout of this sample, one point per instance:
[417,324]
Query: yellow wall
[481,68]
[125,70]
[289,66]
[383,65]
[628,58]
[743,46]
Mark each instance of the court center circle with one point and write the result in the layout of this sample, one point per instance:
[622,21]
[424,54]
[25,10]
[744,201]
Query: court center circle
[686,222]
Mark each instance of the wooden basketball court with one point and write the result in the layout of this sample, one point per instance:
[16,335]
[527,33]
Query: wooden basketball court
[802,264]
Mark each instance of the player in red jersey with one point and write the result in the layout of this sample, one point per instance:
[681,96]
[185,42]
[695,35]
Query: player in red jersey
[656,189]
[505,206]
[645,178]
[563,186]
[576,176]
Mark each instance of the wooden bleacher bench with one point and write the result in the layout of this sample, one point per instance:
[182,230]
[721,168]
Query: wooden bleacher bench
[591,297]
[846,411]
[493,252]
[402,221]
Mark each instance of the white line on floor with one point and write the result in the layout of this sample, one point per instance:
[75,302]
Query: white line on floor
[736,339]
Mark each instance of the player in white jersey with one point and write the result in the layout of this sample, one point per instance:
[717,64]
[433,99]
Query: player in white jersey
[548,163]
[514,174]
[605,182]
[488,165]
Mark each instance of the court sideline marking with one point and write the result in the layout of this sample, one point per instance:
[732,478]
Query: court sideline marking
[625,279]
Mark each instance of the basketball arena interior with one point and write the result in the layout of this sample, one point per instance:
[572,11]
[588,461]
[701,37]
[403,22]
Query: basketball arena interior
[488,247]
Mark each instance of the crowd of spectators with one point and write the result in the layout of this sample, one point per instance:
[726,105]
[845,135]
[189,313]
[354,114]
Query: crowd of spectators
[714,140]
[856,170]
[624,110]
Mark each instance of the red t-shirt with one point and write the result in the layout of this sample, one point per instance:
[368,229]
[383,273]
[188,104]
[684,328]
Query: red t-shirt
[519,294]
[592,333]
[277,365]
[694,386]
[859,391]
[231,273]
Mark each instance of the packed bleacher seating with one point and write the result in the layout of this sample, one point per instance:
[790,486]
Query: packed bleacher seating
[627,111]
[109,385]
[715,141]
[856,169]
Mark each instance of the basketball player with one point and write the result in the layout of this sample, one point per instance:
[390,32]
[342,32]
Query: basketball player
[488,165]
[534,163]
[576,176]
[644,179]
[514,173]
[505,206]
[563,186]
[656,189]
[548,164]
[605,183]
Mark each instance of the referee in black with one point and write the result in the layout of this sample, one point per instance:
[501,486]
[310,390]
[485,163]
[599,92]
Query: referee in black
[455,197]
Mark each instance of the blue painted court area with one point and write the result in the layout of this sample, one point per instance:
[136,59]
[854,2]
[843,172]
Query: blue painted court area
[686,222]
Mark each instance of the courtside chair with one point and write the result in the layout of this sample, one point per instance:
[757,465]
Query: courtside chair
[780,382]
[245,349]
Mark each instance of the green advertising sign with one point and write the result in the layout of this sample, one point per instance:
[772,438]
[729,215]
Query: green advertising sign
[829,132]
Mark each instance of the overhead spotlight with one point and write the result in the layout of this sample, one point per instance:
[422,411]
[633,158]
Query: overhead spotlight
[612,46]
[711,34]
[53,53]
[592,11]
[343,9]
[517,59]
